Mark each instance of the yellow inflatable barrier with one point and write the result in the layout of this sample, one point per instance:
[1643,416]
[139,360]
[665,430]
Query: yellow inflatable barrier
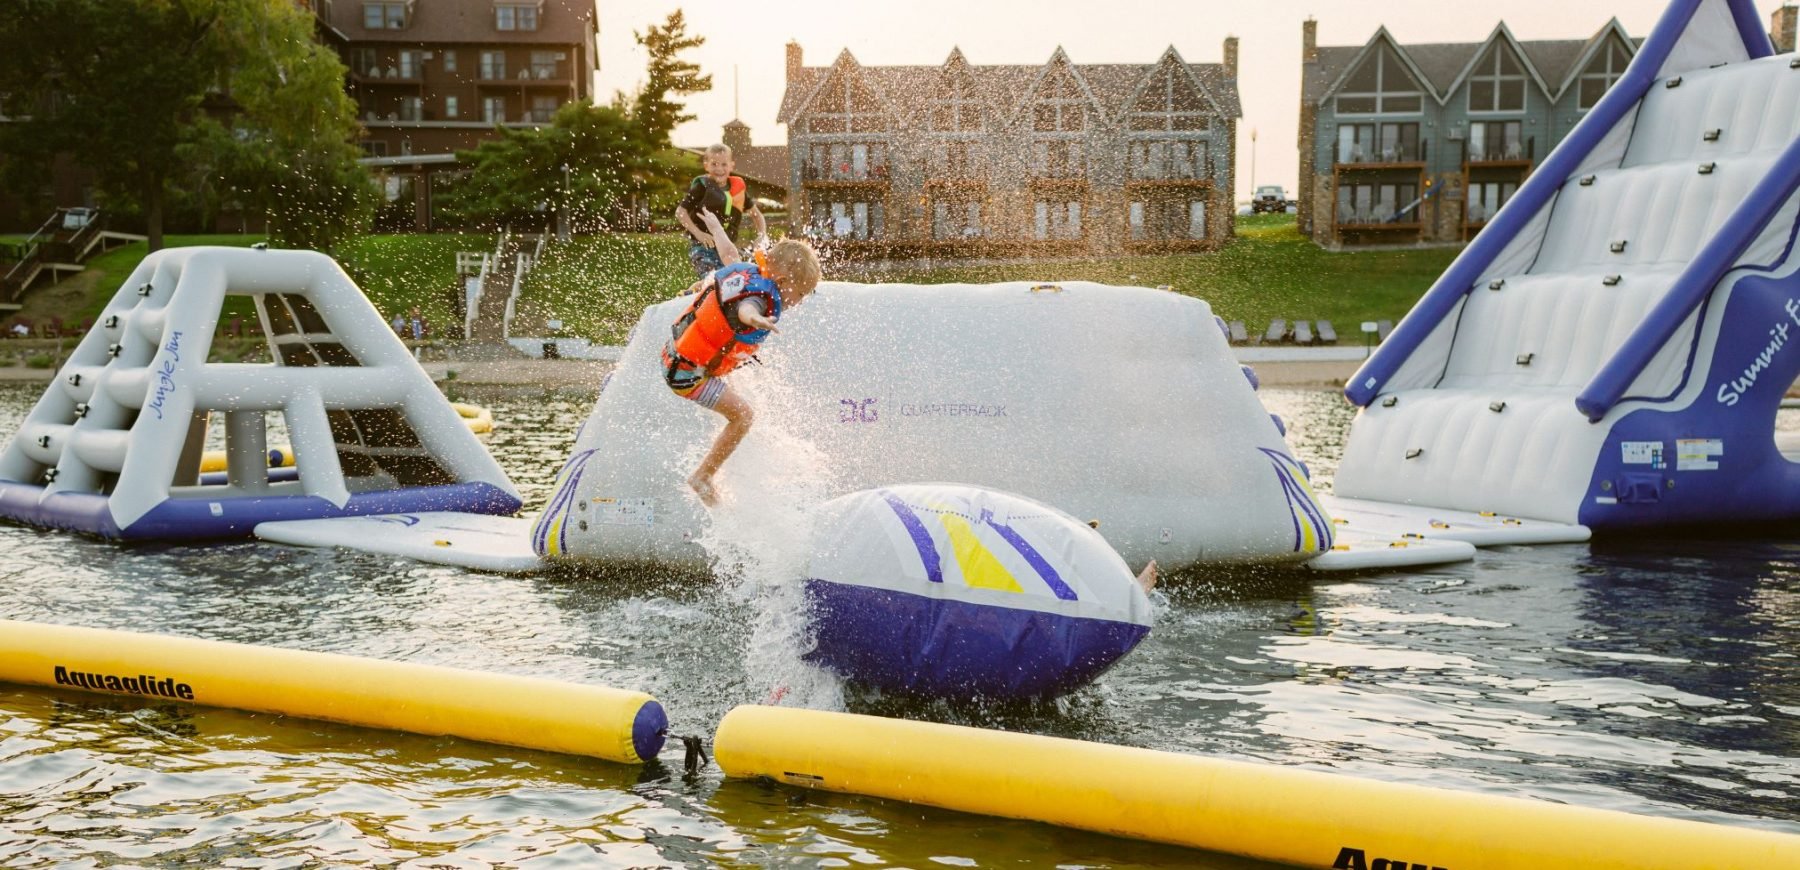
[613,724]
[479,420]
[1300,817]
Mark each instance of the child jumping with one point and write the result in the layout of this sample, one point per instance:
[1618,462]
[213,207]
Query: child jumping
[734,309]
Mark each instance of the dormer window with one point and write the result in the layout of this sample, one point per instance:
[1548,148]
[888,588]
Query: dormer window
[517,16]
[1497,83]
[1605,69]
[386,16]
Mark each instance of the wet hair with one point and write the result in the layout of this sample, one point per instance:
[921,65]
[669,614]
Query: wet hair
[798,261]
[718,148]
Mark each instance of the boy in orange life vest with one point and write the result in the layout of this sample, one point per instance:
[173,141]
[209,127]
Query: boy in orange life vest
[723,194]
[734,309]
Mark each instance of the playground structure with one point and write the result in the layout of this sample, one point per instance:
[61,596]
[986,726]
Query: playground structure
[1613,347]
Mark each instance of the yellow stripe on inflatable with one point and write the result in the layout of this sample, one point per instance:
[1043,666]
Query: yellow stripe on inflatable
[479,420]
[980,568]
[613,724]
[1300,817]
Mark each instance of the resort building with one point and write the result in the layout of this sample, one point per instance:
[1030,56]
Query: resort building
[432,78]
[1414,143]
[959,159]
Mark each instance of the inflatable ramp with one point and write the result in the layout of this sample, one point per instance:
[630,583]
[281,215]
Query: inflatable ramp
[114,446]
[1611,350]
[1119,405]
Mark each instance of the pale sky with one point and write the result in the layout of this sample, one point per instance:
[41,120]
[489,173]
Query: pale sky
[751,36]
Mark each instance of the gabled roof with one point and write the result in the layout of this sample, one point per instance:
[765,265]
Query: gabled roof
[845,66]
[1443,67]
[1004,88]
[1172,60]
[1059,59]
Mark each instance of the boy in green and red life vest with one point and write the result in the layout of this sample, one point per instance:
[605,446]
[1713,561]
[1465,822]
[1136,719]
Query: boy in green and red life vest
[723,194]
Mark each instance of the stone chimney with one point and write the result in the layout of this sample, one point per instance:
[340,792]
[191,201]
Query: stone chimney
[1231,51]
[793,60]
[1781,27]
[1309,41]
[737,136]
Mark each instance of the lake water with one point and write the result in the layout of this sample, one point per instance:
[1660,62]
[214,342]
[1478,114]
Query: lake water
[1653,676]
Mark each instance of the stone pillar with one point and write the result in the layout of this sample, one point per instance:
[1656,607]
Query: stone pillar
[1781,27]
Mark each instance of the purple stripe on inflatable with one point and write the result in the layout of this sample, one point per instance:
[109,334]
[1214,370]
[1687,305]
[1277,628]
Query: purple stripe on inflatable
[921,538]
[1044,569]
[565,494]
[921,644]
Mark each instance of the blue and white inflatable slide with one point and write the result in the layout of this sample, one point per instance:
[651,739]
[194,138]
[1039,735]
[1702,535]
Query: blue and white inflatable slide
[1613,348]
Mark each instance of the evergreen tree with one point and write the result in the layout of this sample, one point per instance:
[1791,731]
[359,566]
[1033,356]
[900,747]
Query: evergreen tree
[668,76]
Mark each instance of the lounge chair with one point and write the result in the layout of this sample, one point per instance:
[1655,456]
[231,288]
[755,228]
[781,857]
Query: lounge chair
[1277,331]
[1239,335]
[1327,334]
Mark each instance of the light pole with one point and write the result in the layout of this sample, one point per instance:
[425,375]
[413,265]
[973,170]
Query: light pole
[562,210]
[1253,164]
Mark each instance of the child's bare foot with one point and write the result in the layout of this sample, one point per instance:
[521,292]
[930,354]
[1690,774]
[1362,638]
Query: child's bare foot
[1147,577]
[703,487]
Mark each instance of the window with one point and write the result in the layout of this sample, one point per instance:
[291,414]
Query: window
[1058,158]
[412,109]
[856,220]
[493,64]
[846,108]
[493,109]
[1381,86]
[543,64]
[1605,69]
[1169,103]
[1164,159]
[1058,221]
[847,161]
[449,61]
[1060,105]
[374,147]
[409,64]
[515,17]
[363,62]
[384,16]
[955,108]
[450,109]
[1497,83]
[1371,204]
[1379,143]
[1168,220]
[1496,140]
[953,219]
[955,158]
[1486,198]
[542,108]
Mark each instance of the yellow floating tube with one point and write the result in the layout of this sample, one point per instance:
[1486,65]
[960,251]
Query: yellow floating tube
[1281,814]
[479,420]
[613,724]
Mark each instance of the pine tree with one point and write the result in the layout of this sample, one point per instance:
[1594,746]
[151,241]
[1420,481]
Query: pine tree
[654,110]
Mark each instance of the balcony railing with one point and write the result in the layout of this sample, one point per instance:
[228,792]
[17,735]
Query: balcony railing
[1377,216]
[877,173]
[1370,155]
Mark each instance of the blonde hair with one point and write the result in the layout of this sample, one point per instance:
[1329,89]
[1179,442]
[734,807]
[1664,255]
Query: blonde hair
[718,148]
[797,261]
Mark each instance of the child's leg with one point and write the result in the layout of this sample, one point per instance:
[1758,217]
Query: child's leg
[738,417]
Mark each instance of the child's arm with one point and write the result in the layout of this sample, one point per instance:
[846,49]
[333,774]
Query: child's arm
[762,226]
[721,240]
[751,314]
[687,223]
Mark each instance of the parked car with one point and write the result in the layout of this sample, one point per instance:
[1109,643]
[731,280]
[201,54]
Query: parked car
[1269,198]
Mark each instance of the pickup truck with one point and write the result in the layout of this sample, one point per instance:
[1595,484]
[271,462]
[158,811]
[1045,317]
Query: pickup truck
[1270,198]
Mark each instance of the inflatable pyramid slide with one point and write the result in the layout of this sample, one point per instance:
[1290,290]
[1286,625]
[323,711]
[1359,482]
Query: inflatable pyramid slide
[1613,348]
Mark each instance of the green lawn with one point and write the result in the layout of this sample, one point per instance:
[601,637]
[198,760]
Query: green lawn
[598,285]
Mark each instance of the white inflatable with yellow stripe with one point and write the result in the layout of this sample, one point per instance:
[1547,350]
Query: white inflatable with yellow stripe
[950,590]
[1122,405]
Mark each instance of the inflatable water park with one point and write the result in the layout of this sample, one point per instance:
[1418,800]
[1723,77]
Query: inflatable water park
[984,482]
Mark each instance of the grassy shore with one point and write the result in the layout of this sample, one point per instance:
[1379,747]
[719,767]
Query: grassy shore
[598,285]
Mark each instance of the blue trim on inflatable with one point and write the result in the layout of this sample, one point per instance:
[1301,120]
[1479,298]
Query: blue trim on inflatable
[649,728]
[1696,283]
[902,642]
[921,538]
[1750,28]
[1749,481]
[1036,560]
[1531,198]
[196,518]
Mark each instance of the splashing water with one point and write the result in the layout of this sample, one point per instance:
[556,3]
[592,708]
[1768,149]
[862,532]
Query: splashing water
[758,541]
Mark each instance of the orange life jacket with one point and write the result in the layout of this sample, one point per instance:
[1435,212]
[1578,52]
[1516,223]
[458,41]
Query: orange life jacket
[703,335]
